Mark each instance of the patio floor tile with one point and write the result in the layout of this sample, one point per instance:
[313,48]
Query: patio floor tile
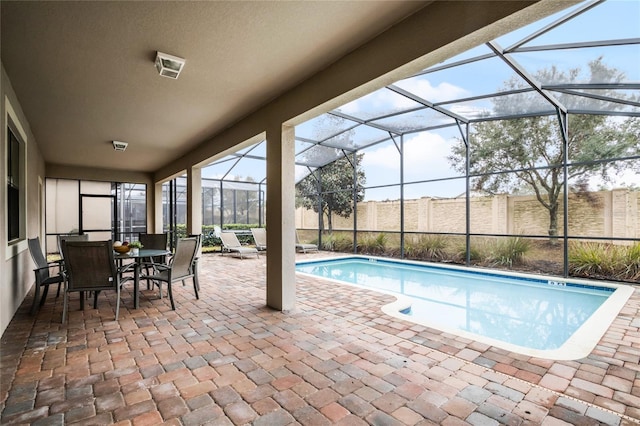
[336,359]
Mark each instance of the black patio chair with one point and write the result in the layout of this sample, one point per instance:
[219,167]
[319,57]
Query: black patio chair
[72,237]
[180,268]
[196,261]
[154,242]
[43,273]
[90,266]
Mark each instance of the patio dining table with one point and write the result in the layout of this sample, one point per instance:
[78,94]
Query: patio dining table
[138,257]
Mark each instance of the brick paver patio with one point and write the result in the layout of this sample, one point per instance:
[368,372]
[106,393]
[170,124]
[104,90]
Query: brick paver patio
[337,359]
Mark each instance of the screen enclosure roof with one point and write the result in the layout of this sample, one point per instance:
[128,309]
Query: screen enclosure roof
[582,60]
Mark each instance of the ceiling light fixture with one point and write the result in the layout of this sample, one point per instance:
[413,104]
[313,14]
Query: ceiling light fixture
[169,65]
[119,146]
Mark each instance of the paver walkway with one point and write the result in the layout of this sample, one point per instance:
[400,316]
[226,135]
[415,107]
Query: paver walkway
[337,359]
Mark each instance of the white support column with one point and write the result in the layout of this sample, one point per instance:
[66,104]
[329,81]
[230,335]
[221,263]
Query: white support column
[281,280]
[154,198]
[194,200]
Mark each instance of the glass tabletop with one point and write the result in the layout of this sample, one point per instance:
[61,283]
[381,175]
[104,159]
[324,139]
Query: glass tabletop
[142,253]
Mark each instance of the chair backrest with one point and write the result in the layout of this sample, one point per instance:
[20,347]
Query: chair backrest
[186,250]
[259,236]
[89,265]
[229,240]
[154,241]
[38,258]
[70,237]
[199,238]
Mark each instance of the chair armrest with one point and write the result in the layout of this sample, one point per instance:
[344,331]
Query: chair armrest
[45,267]
[156,265]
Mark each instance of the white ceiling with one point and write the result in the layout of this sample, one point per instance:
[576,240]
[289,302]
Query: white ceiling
[84,75]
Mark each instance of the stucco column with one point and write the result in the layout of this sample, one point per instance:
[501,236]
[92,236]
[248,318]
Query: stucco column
[281,280]
[154,217]
[194,200]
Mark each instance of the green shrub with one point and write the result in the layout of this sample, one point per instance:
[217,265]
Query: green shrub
[432,247]
[478,251]
[371,244]
[208,237]
[605,260]
[509,251]
[632,262]
[337,242]
[587,258]
[343,243]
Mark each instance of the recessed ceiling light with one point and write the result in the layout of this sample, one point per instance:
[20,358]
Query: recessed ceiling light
[169,65]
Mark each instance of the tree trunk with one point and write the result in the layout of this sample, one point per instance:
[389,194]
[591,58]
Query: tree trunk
[553,223]
[330,222]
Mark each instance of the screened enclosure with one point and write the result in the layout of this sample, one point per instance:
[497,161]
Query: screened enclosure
[223,202]
[522,153]
[102,210]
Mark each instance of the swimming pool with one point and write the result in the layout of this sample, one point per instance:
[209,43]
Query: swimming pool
[539,316]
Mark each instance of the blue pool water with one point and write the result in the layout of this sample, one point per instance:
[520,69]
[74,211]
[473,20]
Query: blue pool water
[531,312]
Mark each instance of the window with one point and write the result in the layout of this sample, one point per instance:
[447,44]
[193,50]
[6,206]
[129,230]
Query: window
[14,183]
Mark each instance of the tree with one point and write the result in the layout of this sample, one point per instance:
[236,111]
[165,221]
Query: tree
[533,146]
[330,189]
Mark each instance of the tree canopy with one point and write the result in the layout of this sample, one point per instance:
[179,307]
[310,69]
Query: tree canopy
[528,152]
[330,189]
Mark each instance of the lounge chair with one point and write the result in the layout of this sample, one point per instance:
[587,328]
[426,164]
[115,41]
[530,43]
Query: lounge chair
[216,236]
[304,247]
[230,244]
[260,237]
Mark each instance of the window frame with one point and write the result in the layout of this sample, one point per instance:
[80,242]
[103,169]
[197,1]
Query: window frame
[13,186]
[13,125]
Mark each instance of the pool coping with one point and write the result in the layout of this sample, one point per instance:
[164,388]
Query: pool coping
[579,345]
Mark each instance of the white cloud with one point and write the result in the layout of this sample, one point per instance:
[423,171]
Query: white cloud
[386,157]
[425,154]
[423,88]
[425,158]
[387,101]
[382,101]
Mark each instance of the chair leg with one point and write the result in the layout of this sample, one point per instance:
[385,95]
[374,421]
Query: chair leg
[64,305]
[117,301]
[196,285]
[35,299]
[195,274]
[58,292]
[149,283]
[45,291]
[173,305]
